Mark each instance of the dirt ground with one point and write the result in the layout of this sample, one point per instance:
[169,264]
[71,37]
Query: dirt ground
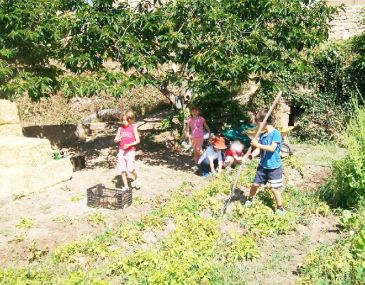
[38,223]
[59,215]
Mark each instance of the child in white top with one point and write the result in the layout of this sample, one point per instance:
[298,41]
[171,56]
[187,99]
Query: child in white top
[212,157]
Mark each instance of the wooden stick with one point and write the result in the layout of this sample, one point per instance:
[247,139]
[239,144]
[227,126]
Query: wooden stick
[247,154]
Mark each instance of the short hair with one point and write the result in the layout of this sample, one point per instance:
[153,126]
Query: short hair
[130,116]
[260,116]
[192,108]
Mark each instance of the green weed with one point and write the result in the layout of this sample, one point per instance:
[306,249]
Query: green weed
[25,223]
[95,218]
[76,199]
[347,184]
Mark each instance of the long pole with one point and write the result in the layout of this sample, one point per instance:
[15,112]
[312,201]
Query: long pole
[245,157]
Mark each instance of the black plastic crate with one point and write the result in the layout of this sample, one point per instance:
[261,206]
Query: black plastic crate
[101,196]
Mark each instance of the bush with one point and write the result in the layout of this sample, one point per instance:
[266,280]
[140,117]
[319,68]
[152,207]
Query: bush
[333,82]
[346,186]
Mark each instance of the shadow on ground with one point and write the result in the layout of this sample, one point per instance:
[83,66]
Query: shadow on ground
[101,152]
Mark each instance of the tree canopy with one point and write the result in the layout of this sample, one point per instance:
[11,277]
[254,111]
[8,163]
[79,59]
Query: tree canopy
[209,47]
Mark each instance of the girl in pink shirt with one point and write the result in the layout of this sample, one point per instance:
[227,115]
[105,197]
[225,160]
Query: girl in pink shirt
[127,136]
[196,125]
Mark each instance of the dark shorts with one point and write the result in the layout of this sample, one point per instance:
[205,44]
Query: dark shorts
[204,166]
[273,176]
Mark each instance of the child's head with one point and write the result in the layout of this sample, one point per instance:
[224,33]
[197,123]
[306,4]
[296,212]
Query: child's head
[237,146]
[127,118]
[195,111]
[219,143]
[261,116]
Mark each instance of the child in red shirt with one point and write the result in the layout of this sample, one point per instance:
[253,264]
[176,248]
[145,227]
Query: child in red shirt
[233,155]
[127,136]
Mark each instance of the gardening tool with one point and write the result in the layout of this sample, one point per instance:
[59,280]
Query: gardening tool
[248,153]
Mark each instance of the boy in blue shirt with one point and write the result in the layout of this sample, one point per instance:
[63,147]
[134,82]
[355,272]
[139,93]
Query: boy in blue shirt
[270,166]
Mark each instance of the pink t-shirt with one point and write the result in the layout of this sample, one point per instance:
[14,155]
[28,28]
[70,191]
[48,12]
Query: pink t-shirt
[197,126]
[127,136]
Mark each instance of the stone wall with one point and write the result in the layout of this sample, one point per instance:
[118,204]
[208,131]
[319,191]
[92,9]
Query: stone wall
[348,23]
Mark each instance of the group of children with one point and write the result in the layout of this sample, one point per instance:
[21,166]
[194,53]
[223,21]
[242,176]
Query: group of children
[215,157]
[218,156]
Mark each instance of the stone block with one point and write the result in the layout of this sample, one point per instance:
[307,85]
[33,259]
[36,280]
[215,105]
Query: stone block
[8,113]
[21,151]
[26,180]
[11,130]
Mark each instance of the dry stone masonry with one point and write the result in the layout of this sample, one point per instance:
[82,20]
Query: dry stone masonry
[26,164]
[348,22]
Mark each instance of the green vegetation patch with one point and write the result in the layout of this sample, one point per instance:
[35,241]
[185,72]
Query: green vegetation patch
[185,239]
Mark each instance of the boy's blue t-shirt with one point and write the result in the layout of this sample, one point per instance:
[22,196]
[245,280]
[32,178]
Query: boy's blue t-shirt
[271,160]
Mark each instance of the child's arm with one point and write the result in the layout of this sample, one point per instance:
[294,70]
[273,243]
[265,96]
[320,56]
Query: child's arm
[211,161]
[270,148]
[254,153]
[220,165]
[117,136]
[238,158]
[206,127]
[137,141]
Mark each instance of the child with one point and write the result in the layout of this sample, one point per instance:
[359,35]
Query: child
[128,137]
[233,155]
[212,157]
[196,125]
[270,167]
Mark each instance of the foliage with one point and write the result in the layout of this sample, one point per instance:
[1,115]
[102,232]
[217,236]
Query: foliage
[323,102]
[208,47]
[347,183]
[191,244]
[343,262]
[102,82]
[25,223]
[28,40]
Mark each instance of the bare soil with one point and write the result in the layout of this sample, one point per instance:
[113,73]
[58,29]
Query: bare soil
[60,214]
[283,256]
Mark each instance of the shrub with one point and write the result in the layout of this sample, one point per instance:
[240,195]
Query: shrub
[346,186]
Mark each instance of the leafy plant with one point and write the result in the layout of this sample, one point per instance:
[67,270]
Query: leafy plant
[347,183]
[95,218]
[25,223]
[76,199]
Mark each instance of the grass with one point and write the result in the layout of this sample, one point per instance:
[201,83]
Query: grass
[190,244]
[76,199]
[95,218]
[321,155]
[25,223]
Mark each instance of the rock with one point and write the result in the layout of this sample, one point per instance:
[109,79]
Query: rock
[21,151]
[8,113]
[11,130]
[25,180]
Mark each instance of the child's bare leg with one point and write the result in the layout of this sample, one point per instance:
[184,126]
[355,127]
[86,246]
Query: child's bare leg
[277,195]
[124,178]
[135,175]
[137,181]
[229,161]
[197,154]
[197,148]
